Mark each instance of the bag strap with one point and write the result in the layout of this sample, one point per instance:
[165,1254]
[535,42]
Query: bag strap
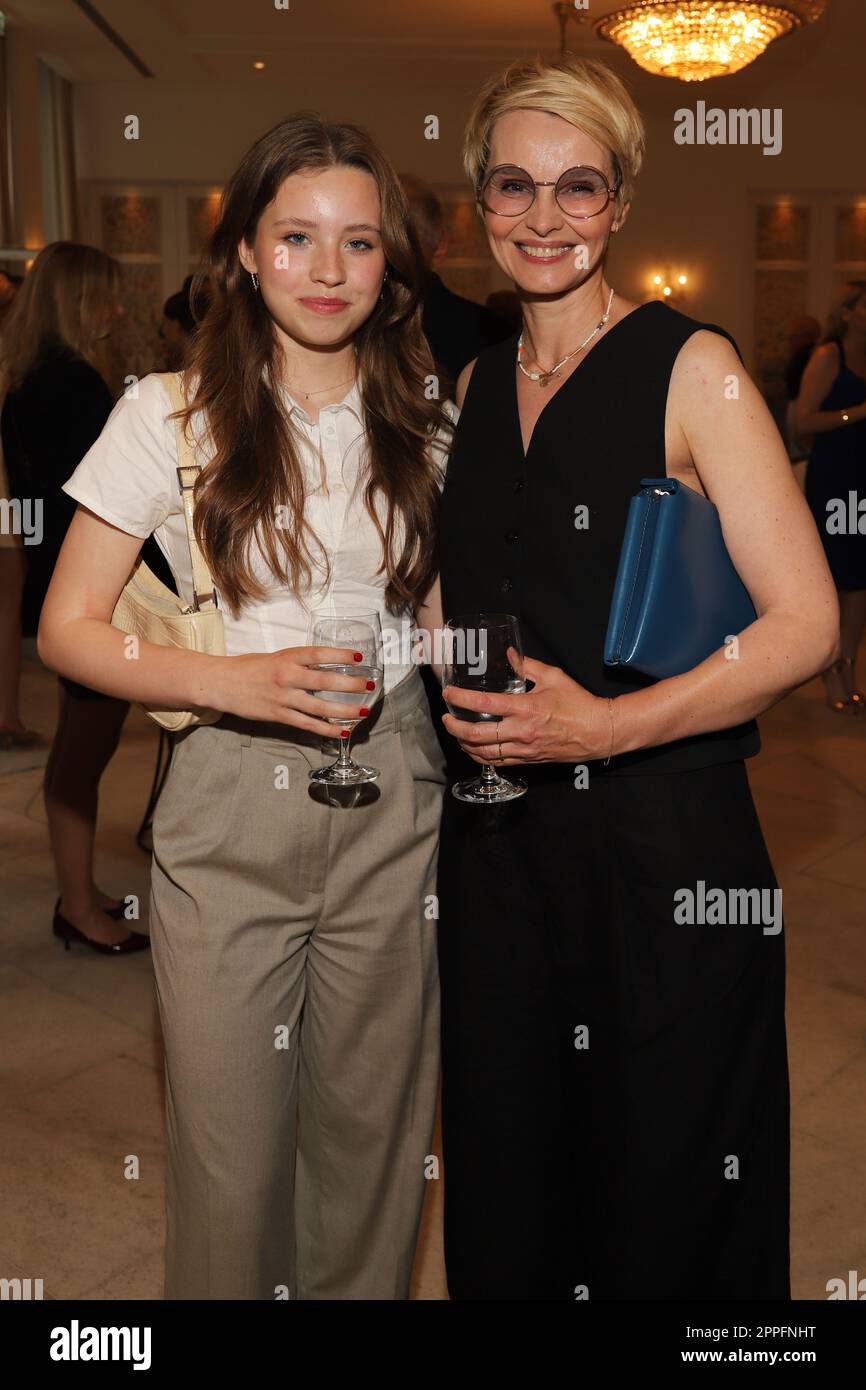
[203,588]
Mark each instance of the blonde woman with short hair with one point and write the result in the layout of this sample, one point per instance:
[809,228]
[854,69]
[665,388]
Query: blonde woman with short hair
[615,1087]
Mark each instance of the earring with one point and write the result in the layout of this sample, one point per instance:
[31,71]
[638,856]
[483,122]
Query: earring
[255,279]
[384,278]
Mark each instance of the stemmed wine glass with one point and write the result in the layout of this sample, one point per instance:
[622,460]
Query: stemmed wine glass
[363,634]
[476,649]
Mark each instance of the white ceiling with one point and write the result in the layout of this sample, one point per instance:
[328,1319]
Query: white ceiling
[217,41]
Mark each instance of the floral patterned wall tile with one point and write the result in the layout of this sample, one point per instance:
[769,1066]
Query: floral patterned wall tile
[783,232]
[466,236]
[201,218]
[851,233]
[131,223]
[780,295]
[136,345]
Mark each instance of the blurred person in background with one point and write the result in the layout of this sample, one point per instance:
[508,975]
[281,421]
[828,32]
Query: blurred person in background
[9,287]
[13,733]
[831,406]
[176,330]
[179,322]
[56,368]
[457,329]
[506,305]
[804,333]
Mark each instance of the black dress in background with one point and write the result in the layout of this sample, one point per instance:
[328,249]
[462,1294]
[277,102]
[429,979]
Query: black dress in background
[837,466]
[602,1170]
[48,425]
[457,330]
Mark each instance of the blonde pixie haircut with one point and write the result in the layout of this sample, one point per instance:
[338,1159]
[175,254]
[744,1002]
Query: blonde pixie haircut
[583,92]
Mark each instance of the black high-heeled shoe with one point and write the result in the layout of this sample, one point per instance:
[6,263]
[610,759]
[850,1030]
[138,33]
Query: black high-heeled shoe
[135,941]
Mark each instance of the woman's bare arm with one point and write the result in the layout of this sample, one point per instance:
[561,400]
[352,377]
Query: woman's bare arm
[742,466]
[731,450]
[76,639]
[821,371]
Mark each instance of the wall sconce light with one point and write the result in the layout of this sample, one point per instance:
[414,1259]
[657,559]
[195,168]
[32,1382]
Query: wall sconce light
[670,285]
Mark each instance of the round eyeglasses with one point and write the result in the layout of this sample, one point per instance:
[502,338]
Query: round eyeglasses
[508,191]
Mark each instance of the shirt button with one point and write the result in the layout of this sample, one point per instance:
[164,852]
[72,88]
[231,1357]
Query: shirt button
[511,537]
[506,586]
[328,431]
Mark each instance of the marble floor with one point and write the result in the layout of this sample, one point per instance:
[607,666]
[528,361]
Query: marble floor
[81,1059]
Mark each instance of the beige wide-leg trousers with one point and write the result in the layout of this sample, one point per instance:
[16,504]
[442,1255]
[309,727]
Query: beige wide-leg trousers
[294,950]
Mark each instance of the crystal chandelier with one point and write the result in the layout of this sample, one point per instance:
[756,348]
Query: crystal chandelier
[697,39]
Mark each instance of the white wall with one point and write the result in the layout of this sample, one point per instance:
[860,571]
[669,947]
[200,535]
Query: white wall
[692,205]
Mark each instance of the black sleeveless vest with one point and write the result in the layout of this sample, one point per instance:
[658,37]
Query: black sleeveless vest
[508,539]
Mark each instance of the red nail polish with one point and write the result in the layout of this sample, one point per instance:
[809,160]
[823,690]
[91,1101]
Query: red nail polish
[345,732]
[359,656]
[371,685]
[363,711]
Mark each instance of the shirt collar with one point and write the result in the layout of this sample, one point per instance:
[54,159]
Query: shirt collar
[352,402]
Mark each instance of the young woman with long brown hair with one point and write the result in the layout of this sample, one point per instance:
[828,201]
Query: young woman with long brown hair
[56,373]
[294,961]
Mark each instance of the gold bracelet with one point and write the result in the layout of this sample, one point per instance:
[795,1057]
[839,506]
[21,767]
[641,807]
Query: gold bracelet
[610,710]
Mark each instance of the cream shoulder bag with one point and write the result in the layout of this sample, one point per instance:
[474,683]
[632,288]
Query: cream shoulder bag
[148,609]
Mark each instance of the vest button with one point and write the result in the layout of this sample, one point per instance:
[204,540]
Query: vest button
[518,485]
[511,537]
[506,586]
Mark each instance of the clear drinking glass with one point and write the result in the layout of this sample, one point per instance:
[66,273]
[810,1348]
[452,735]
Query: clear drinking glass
[476,657]
[363,634]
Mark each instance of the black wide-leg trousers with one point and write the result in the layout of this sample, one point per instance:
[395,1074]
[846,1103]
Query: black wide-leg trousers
[615,1081]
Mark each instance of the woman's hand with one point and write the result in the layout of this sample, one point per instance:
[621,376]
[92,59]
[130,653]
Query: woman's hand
[556,722]
[277,686]
[76,638]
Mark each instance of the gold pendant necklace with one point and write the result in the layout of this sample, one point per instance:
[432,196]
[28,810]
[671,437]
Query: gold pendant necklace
[543,377]
[318,391]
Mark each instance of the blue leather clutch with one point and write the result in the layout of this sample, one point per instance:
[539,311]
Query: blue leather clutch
[677,595]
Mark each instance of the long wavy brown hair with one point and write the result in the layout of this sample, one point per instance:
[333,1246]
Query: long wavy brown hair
[255,466]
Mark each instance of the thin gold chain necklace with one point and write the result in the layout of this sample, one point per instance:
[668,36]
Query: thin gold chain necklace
[318,391]
[544,377]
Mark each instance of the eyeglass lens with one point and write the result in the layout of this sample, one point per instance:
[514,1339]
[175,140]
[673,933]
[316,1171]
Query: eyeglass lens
[580,192]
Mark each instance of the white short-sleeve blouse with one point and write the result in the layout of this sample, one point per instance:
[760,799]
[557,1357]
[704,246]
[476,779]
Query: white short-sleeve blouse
[128,478]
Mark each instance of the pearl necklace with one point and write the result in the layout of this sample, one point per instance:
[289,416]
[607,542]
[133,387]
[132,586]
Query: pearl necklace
[545,377]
